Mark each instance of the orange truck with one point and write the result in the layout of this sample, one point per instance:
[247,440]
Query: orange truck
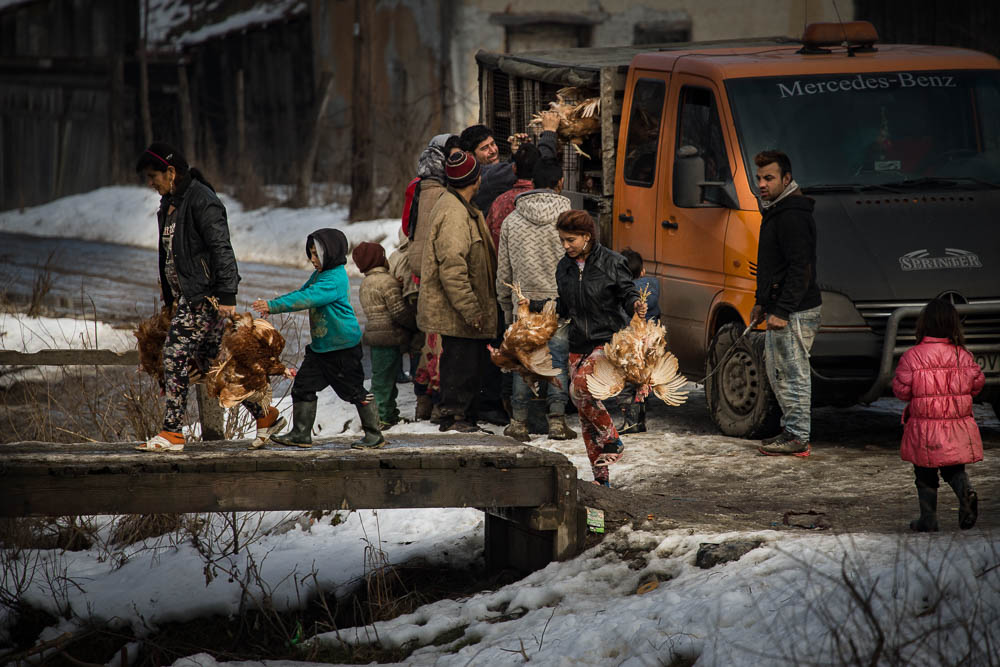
[899,145]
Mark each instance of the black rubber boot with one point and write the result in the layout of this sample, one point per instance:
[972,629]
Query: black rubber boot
[373,438]
[968,501]
[927,523]
[303,418]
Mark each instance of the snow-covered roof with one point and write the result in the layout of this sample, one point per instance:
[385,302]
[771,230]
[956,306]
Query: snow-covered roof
[174,24]
[7,4]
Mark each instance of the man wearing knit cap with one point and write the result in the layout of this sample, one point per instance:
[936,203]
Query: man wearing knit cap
[390,325]
[458,292]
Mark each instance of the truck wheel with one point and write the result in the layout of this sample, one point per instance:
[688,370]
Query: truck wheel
[739,395]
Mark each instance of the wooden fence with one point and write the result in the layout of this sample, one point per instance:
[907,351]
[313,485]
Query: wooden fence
[209,412]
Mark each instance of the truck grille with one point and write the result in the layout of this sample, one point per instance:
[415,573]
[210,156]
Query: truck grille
[978,328]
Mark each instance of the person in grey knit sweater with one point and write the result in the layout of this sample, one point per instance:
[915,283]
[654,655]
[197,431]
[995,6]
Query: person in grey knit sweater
[528,253]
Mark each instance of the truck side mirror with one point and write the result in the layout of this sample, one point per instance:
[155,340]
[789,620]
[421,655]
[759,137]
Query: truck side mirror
[720,193]
[689,172]
[691,190]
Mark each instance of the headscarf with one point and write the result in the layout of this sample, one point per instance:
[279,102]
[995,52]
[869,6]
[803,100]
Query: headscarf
[331,247]
[431,162]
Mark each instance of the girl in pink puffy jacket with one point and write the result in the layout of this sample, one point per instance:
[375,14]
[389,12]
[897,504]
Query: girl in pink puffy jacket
[938,377]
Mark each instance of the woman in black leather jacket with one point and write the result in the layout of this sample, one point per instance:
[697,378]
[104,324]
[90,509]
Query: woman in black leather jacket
[198,279]
[597,293]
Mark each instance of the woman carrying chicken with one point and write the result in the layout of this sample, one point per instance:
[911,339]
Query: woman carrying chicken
[597,293]
[198,279]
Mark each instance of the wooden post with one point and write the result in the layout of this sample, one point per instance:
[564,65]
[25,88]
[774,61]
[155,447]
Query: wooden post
[116,120]
[363,158]
[312,147]
[210,415]
[241,120]
[187,124]
[147,122]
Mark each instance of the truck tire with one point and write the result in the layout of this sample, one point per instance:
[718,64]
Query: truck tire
[739,395]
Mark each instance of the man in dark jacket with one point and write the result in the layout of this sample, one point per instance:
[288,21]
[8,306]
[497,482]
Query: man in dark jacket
[788,296]
[498,176]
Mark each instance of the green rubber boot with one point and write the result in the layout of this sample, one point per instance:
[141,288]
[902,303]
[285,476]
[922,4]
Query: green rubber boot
[303,418]
[373,439]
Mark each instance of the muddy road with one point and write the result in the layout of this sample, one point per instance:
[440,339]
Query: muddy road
[684,474]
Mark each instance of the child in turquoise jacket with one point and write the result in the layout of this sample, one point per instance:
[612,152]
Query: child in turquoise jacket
[333,358]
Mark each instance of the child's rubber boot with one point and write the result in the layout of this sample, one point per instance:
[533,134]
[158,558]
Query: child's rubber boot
[927,523]
[303,418]
[968,501]
[373,438]
[268,425]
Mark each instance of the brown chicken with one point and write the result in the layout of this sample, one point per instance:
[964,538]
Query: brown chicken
[638,354]
[150,335]
[525,346]
[579,116]
[250,353]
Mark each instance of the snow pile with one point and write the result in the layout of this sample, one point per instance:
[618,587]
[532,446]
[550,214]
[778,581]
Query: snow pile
[163,580]
[791,599]
[20,333]
[795,598]
[127,215]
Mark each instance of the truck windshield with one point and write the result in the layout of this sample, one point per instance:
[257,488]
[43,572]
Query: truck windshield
[874,131]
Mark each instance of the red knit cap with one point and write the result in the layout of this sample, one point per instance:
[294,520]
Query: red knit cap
[462,169]
[368,255]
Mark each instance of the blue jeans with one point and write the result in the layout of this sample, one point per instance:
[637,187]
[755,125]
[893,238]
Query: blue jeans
[557,396]
[786,355]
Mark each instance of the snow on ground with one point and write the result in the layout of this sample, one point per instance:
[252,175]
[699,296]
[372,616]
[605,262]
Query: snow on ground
[127,215]
[31,334]
[20,333]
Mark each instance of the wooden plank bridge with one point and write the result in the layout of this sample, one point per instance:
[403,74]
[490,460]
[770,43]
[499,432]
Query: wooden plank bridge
[528,494]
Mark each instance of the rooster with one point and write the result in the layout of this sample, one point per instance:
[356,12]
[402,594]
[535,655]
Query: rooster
[638,353]
[150,336]
[250,353]
[579,116]
[525,346]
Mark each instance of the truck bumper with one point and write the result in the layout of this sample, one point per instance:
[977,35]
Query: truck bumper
[866,361]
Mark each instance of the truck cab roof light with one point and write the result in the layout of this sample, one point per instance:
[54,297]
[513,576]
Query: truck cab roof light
[856,36]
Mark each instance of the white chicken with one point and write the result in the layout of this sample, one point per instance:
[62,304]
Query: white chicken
[638,354]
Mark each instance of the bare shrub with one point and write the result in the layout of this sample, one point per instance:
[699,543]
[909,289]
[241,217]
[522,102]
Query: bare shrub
[926,610]
[40,286]
[132,528]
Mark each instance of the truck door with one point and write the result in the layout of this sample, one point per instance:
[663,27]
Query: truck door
[690,239]
[635,192]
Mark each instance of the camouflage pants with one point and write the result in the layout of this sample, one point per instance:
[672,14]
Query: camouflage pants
[193,341]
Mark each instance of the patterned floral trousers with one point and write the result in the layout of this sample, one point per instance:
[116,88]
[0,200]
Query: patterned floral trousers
[598,428]
[193,341]
[428,370]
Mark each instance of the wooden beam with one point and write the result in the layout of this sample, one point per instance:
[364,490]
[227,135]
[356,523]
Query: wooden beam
[609,132]
[69,358]
[174,492]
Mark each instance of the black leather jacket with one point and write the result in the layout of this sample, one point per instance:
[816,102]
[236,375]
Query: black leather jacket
[599,300]
[203,254]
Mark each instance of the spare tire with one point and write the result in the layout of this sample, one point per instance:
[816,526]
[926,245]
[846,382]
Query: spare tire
[739,395]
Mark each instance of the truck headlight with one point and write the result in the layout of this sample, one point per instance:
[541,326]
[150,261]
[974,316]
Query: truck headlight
[839,311]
